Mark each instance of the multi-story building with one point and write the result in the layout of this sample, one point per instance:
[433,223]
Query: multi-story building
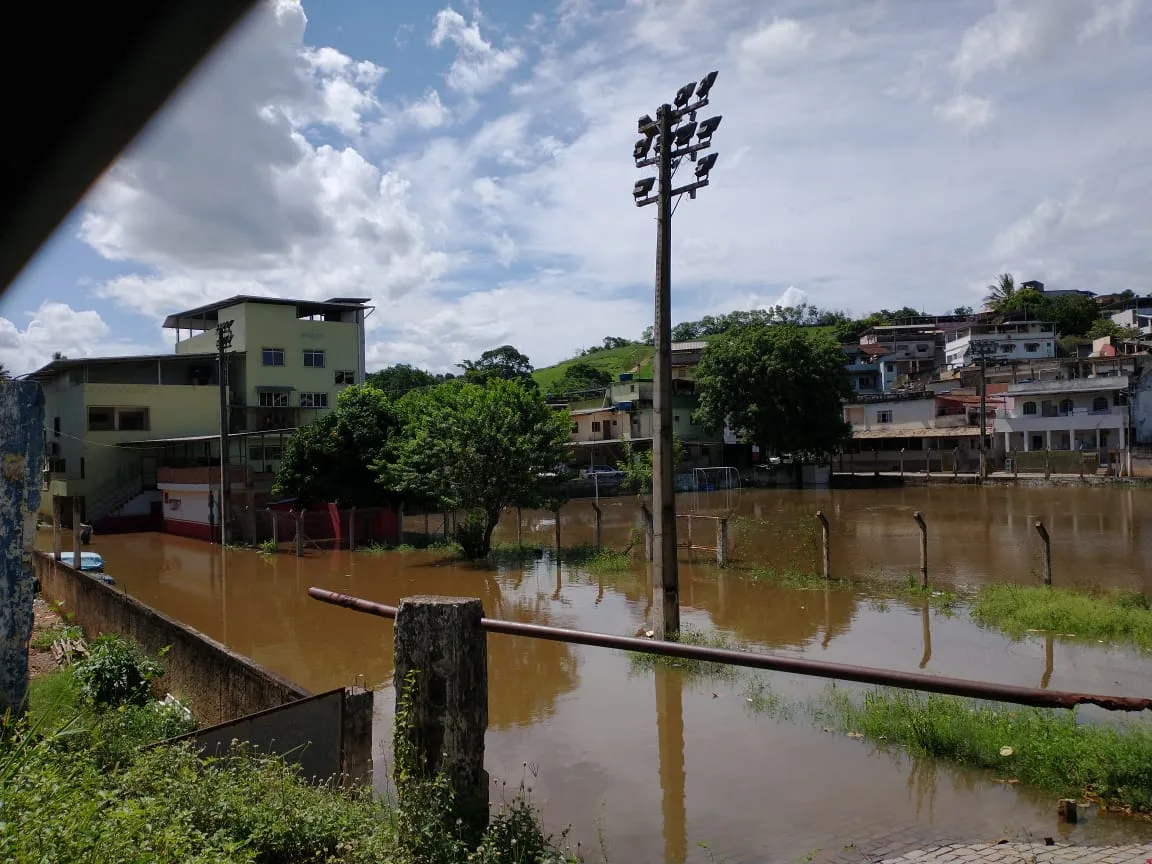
[1084,414]
[121,431]
[1013,341]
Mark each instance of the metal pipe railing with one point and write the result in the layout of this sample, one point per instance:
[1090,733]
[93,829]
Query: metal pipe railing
[793,665]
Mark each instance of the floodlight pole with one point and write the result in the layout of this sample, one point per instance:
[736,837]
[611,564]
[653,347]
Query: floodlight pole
[223,341]
[665,575]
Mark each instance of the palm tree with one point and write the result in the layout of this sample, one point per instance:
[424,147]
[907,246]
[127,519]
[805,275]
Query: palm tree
[1000,293]
[4,372]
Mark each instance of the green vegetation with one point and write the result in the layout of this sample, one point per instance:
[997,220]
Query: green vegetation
[397,380]
[610,361]
[45,639]
[783,386]
[268,547]
[115,673]
[505,363]
[582,376]
[692,668]
[1043,748]
[475,447]
[585,555]
[374,547]
[1115,617]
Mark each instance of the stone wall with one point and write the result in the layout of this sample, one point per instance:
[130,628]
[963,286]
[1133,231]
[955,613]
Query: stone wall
[217,683]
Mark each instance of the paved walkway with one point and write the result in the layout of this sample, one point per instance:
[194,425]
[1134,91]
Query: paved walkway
[1024,853]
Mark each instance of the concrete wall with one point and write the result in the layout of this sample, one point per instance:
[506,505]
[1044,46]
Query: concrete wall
[219,684]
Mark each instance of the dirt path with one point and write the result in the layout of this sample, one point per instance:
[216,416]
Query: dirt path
[46,620]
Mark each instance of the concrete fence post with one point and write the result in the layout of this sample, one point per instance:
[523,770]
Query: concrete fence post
[441,661]
[275,527]
[956,462]
[825,545]
[923,548]
[1081,461]
[1015,465]
[250,523]
[556,513]
[300,534]
[1047,463]
[57,528]
[722,542]
[1045,552]
[519,528]
[902,449]
[76,518]
[21,468]
[599,525]
[928,463]
[647,531]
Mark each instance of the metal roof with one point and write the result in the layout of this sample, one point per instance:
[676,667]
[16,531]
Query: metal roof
[954,432]
[693,345]
[194,439]
[54,368]
[1075,385]
[199,318]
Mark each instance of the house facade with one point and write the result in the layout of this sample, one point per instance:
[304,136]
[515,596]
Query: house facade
[1088,415]
[907,430]
[1011,341]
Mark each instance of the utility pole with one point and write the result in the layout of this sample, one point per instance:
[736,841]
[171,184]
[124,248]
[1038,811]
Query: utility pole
[981,351]
[223,343]
[672,138]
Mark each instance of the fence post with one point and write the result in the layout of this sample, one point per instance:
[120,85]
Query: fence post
[599,524]
[825,545]
[76,531]
[1081,465]
[1047,463]
[21,467]
[556,512]
[923,548]
[956,462]
[902,449]
[1015,465]
[647,531]
[928,464]
[275,528]
[519,528]
[875,460]
[250,523]
[1046,552]
[441,659]
[722,542]
[300,534]
[56,528]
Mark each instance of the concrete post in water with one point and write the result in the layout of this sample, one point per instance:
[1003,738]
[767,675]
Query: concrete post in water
[1066,811]
[902,449]
[1081,461]
[21,468]
[76,518]
[1047,463]
[441,660]
[825,544]
[57,528]
[250,523]
[519,528]
[956,462]
[1046,552]
[300,534]
[928,463]
[599,525]
[722,542]
[275,528]
[556,513]
[923,548]
[875,460]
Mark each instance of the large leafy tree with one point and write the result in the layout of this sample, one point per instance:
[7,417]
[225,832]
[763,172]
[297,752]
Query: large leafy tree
[782,387]
[332,458]
[503,362]
[478,447]
[399,379]
[1000,293]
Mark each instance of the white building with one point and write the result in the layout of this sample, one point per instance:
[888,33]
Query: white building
[1086,414]
[1014,340]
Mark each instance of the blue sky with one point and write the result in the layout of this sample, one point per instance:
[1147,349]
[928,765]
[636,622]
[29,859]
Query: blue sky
[469,168]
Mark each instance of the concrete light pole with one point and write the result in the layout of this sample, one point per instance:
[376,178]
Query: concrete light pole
[981,351]
[223,343]
[672,138]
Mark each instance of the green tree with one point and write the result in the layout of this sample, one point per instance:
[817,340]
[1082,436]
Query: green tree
[333,457]
[781,386]
[1107,327]
[582,376]
[478,448]
[1000,293]
[963,311]
[503,362]
[399,379]
[637,464]
[1073,314]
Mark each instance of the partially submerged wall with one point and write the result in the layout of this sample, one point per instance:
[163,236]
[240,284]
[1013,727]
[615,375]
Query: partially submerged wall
[219,684]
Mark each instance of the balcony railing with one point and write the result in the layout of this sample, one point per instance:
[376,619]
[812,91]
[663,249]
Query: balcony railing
[1017,414]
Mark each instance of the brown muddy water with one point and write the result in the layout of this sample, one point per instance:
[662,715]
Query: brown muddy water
[652,763]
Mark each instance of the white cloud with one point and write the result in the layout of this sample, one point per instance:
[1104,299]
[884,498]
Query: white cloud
[966,111]
[427,112]
[57,327]
[478,66]
[780,40]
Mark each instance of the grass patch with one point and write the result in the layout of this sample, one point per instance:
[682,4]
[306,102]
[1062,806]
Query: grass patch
[603,560]
[1114,617]
[52,700]
[45,639]
[801,580]
[511,554]
[268,547]
[1043,748]
[761,700]
[375,548]
[691,668]
[610,360]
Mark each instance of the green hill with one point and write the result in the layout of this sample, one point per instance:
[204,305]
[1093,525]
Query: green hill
[611,360]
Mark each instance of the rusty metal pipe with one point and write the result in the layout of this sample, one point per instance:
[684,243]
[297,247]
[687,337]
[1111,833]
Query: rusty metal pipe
[793,665]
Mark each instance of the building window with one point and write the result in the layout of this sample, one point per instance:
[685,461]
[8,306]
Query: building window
[922,349]
[1100,405]
[273,356]
[81,467]
[56,466]
[901,347]
[313,359]
[1065,406]
[1029,408]
[273,400]
[56,426]
[101,419]
[675,418]
[883,416]
[344,376]
[1007,347]
[313,400]
[132,419]
[595,425]
[575,428]
[264,453]
[1031,347]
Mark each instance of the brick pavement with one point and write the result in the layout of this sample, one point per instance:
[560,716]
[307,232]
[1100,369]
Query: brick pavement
[1023,853]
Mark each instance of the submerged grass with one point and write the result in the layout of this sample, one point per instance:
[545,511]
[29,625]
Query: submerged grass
[604,560]
[691,668]
[1115,617]
[1044,748]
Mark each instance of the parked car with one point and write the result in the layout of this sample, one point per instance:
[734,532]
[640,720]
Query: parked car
[601,473]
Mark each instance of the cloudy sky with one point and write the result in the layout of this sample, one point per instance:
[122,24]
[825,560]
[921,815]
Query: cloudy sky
[469,168]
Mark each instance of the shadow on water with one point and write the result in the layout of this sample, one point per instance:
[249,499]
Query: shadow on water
[659,767]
